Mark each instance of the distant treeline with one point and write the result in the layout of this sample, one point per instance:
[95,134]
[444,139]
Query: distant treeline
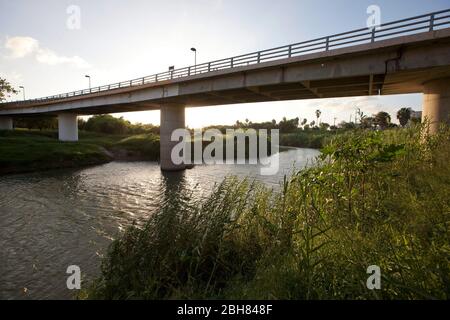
[111,125]
[40,123]
[104,123]
[285,125]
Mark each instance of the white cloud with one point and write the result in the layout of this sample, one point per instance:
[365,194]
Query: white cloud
[20,47]
[50,57]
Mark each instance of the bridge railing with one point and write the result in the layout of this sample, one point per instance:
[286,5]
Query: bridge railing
[418,24]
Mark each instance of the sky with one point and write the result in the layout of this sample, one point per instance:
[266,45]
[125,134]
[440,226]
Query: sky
[48,46]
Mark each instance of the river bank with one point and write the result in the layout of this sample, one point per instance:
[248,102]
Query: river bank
[33,150]
[24,150]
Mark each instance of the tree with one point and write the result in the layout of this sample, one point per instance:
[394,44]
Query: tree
[304,121]
[6,89]
[367,122]
[318,113]
[346,125]
[403,116]
[382,119]
[324,126]
[106,123]
[287,126]
[37,122]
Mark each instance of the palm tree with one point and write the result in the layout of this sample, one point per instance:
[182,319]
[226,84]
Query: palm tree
[382,119]
[318,113]
[403,116]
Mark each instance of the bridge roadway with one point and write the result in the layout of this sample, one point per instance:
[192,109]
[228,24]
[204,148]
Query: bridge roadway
[412,63]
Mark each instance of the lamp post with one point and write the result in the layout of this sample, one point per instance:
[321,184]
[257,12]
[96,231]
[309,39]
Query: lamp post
[171,69]
[23,91]
[89,77]
[195,59]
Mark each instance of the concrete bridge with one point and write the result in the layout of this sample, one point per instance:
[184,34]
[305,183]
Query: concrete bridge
[406,56]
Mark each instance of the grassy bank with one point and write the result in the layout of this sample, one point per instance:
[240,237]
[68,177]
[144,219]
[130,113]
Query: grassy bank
[33,150]
[314,139]
[376,199]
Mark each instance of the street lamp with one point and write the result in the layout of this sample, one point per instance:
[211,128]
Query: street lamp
[89,77]
[195,59]
[23,91]
[171,69]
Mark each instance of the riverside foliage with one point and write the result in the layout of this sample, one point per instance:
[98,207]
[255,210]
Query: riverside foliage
[375,198]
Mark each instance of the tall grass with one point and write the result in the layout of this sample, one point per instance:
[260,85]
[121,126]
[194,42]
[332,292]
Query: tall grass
[375,199]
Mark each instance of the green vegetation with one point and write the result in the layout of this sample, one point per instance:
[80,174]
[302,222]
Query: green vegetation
[108,124]
[24,151]
[143,147]
[32,150]
[315,139]
[403,116]
[377,198]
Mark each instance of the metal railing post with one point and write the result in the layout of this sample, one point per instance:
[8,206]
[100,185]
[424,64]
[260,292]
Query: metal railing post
[327,43]
[432,22]
[259,57]
[290,51]
[373,34]
[209,66]
[232,62]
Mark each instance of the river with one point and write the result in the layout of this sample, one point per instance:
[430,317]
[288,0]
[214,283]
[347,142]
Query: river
[50,220]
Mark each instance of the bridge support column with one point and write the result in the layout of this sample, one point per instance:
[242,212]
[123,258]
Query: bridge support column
[6,123]
[172,117]
[67,127]
[436,103]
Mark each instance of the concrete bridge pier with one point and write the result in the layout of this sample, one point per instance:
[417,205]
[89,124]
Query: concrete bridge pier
[6,123]
[67,127]
[436,103]
[172,117]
